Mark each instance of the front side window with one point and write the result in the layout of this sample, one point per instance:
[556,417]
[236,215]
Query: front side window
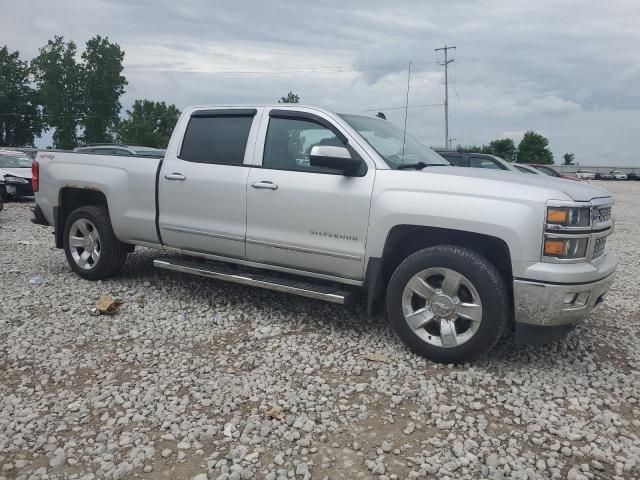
[217,139]
[484,162]
[289,142]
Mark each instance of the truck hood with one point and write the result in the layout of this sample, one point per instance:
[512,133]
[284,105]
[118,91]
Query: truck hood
[578,191]
[16,172]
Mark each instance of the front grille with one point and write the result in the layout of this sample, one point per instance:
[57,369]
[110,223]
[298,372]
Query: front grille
[603,214]
[598,246]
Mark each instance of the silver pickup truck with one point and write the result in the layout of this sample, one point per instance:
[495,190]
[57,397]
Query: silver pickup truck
[302,200]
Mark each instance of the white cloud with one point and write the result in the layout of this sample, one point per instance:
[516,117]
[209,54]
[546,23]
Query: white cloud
[552,105]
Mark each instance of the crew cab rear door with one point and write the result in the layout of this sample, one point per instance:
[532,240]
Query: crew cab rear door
[202,183]
[303,217]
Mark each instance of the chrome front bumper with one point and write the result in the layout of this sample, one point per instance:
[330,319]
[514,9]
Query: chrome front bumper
[550,305]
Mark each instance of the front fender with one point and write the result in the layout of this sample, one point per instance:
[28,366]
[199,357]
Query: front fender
[517,223]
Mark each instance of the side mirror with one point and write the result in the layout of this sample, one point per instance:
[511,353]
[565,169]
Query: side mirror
[336,158]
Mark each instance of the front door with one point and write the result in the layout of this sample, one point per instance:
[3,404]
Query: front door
[202,188]
[305,217]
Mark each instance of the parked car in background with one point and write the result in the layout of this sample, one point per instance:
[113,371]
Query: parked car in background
[527,169]
[586,174]
[633,176]
[604,176]
[476,160]
[15,174]
[325,205]
[120,149]
[552,172]
[618,175]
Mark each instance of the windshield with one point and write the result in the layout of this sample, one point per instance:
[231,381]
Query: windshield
[14,161]
[387,139]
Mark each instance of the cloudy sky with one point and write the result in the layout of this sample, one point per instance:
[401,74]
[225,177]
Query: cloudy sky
[569,70]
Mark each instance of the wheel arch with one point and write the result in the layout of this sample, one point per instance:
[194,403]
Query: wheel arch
[404,240]
[70,198]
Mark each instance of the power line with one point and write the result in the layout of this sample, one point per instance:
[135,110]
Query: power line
[446,91]
[402,108]
[277,70]
[464,116]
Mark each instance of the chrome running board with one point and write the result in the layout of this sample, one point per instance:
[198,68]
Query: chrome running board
[288,284]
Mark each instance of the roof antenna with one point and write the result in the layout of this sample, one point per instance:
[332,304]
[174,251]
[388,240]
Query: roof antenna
[381,115]
[406,109]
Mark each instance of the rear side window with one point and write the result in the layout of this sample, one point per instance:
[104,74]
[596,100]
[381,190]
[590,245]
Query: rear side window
[218,139]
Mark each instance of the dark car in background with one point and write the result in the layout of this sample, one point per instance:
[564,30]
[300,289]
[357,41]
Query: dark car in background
[552,172]
[476,160]
[15,174]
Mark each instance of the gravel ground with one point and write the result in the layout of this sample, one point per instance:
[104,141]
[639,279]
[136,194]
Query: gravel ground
[194,378]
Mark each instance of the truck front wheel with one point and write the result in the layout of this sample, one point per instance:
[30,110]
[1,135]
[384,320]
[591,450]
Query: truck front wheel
[91,247]
[448,303]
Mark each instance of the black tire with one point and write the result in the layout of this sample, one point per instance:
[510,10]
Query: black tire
[4,196]
[113,253]
[486,279]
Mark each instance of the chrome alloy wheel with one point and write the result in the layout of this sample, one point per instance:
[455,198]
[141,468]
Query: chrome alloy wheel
[442,307]
[84,243]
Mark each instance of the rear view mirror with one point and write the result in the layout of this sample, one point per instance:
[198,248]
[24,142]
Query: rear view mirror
[336,158]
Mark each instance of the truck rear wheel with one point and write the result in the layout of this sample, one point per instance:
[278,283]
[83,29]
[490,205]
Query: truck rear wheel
[91,247]
[448,303]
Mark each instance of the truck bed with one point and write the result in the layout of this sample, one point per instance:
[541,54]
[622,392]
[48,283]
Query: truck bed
[127,182]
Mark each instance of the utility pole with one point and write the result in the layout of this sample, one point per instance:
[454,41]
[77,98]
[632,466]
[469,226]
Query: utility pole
[446,92]
[451,143]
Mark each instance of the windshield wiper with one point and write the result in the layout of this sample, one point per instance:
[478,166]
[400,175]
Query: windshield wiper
[419,166]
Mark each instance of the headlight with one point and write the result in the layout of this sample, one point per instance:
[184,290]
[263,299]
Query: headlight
[11,179]
[565,247]
[569,216]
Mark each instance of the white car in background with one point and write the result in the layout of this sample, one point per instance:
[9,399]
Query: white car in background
[15,174]
[586,174]
[618,175]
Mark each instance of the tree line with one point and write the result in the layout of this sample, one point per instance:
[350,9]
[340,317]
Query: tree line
[533,148]
[77,96]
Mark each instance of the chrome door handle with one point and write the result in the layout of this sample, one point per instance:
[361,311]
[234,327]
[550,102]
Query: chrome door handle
[175,176]
[265,184]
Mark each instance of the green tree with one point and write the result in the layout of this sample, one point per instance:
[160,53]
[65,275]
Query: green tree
[20,120]
[472,149]
[149,123]
[103,85]
[290,98]
[503,148]
[533,149]
[59,80]
[568,158]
